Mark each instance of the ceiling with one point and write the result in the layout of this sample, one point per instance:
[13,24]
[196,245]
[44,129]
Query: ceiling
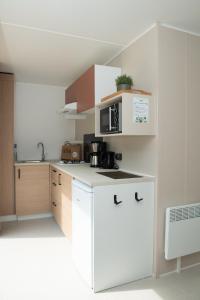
[54,41]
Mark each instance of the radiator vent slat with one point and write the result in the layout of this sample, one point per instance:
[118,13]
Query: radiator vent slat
[184,213]
[182,227]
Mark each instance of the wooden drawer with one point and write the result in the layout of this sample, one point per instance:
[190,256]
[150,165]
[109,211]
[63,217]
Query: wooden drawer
[54,175]
[54,192]
[66,218]
[56,210]
[61,204]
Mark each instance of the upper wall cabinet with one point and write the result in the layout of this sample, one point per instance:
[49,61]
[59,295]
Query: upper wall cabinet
[97,82]
[126,113]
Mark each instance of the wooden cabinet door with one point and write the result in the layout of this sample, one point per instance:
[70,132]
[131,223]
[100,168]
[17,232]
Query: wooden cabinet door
[55,196]
[65,186]
[32,189]
[82,91]
[61,200]
[7,205]
[71,94]
[86,90]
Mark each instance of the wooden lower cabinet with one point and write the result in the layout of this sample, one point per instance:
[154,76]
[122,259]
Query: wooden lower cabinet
[61,200]
[32,189]
[7,206]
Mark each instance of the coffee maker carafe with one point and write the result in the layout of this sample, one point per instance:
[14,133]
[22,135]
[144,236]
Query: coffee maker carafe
[97,148]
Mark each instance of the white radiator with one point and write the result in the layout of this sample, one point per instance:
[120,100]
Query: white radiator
[182,230]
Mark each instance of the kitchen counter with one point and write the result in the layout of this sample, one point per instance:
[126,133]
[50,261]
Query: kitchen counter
[29,163]
[32,164]
[89,176]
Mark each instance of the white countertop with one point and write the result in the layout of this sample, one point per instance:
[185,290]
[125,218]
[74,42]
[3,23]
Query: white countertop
[41,163]
[88,175]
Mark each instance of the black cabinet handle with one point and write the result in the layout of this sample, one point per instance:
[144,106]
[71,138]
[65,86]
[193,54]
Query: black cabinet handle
[54,171]
[115,200]
[138,199]
[54,204]
[19,173]
[59,181]
[54,183]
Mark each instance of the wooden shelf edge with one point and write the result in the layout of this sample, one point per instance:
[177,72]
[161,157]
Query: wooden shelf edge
[133,91]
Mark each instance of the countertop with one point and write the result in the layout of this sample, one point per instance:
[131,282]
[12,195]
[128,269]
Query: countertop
[88,175]
[41,163]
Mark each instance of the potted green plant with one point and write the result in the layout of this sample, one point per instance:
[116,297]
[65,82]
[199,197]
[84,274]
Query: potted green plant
[124,82]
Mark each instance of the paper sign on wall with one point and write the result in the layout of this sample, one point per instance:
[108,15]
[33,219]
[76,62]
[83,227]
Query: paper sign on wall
[140,109]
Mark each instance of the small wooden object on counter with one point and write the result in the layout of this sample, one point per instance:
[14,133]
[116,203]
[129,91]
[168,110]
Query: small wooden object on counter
[71,152]
[61,200]
[132,91]
[32,189]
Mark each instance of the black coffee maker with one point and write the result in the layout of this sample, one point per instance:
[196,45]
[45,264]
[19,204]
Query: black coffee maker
[97,148]
[107,160]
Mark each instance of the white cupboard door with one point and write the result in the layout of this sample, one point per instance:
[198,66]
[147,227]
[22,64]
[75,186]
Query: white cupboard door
[123,234]
[105,81]
[82,232]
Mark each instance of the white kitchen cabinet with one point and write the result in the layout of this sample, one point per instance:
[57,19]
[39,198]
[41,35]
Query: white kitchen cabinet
[82,198]
[97,82]
[138,116]
[105,81]
[123,234]
[113,243]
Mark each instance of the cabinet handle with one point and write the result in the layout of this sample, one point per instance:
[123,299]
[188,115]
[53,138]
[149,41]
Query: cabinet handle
[138,199]
[19,173]
[59,181]
[115,200]
[54,183]
[54,204]
[54,171]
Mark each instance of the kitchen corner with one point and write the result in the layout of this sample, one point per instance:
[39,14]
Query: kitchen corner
[90,176]
[91,191]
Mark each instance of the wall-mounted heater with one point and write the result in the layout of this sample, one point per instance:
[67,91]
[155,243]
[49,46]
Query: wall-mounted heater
[182,231]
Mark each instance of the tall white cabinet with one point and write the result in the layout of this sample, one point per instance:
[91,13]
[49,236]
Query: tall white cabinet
[113,241]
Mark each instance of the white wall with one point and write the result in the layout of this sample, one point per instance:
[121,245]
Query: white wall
[178,130]
[140,62]
[36,120]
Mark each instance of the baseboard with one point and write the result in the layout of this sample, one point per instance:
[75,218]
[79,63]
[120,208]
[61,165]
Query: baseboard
[34,217]
[190,266]
[167,274]
[182,269]
[12,218]
[9,218]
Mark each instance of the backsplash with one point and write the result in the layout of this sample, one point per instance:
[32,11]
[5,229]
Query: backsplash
[138,152]
[37,120]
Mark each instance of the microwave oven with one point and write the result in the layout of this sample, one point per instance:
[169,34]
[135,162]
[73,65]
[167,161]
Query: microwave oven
[111,119]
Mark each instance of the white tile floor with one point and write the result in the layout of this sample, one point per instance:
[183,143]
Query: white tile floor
[35,263]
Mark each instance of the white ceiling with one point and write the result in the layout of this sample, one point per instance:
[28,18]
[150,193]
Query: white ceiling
[54,41]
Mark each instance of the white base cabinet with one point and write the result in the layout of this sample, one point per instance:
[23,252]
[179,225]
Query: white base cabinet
[82,199]
[112,238]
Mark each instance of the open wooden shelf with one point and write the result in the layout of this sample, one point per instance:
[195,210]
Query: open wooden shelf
[130,126]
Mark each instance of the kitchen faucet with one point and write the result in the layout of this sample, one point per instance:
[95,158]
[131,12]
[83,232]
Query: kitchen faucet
[42,145]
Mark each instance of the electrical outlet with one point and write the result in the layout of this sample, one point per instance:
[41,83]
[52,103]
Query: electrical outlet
[118,156]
